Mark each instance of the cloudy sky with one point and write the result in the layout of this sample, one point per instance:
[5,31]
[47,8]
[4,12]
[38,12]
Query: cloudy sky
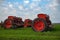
[30,9]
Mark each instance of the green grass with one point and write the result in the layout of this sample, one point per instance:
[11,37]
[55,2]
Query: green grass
[29,34]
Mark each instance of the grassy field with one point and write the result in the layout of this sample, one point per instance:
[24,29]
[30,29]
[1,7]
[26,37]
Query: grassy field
[29,34]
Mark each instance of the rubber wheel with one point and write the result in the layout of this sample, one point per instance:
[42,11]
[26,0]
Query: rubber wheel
[7,23]
[39,25]
[50,28]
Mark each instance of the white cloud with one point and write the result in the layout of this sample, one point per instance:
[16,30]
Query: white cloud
[46,0]
[29,15]
[36,0]
[54,13]
[10,5]
[5,12]
[38,8]
[1,1]
[16,3]
[20,7]
[53,6]
[33,5]
[26,1]
[25,12]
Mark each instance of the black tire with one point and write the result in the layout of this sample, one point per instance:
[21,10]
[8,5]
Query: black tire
[5,24]
[50,27]
[40,19]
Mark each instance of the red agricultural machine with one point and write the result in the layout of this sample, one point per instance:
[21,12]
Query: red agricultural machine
[41,23]
[27,23]
[13,22]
